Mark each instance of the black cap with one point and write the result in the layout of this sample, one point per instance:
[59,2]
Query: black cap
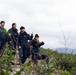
[2,21]
[22,27]
[36,35]
[13,24]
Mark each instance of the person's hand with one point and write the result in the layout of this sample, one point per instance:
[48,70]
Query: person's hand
[19,47]
[42,43]
[10,41]
[32,34]
[9,34]
[39,55]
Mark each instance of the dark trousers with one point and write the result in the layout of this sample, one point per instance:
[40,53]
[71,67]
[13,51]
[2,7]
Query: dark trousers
[24,53]
[0,45]
[36,57]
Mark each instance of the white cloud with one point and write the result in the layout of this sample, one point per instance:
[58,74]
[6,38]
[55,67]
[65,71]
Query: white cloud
[42,17]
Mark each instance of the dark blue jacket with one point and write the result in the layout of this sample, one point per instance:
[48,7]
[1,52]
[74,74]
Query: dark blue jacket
[14,34]
[36,47]
[3,35]
[23,39]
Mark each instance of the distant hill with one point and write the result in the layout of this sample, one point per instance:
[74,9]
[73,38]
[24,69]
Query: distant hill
[62,50]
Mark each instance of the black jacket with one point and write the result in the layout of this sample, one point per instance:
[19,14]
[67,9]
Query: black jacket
[14,34]
[23,39]
[3,35]
[36,46]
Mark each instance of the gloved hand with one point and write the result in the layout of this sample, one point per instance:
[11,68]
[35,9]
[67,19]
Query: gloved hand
[42,43]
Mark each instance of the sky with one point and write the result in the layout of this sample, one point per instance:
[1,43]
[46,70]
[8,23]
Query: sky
[48,18]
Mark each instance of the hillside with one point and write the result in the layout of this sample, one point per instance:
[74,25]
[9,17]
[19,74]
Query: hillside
[59,64]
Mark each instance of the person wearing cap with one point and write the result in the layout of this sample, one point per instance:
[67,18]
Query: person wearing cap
[13,36]
[36,44]
[23,39]
[3,36]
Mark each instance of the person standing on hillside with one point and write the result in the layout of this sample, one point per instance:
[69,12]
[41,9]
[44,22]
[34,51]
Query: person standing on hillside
[24,51]
[13,36]
[3,37]
[36,44]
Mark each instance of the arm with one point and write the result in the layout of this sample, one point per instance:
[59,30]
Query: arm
[16,33]
[36,44]
[9,37]
[34,53]
[30,37]
[19,41]
[40,44]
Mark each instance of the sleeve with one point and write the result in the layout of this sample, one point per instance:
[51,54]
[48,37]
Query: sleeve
[9,36]
[33,43]
[41,44]
[29,37]
[19,41]
[17,33]
[34,53]
[16,36]
[9,31]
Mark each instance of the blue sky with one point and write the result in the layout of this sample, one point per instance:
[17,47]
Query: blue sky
[42,17]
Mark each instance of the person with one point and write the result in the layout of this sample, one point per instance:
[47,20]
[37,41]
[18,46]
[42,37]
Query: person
[0,23]
[36,44]
[23,38]
[3,37]
[13,37]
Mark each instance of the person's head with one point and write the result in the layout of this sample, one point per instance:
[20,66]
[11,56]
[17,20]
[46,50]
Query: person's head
[2,24]
[22,29]
[14,25]
[36,37]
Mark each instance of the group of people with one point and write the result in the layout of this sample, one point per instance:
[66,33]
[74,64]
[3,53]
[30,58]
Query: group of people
[26,43]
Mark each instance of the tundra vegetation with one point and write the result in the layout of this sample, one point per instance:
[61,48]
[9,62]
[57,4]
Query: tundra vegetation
[59,64]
